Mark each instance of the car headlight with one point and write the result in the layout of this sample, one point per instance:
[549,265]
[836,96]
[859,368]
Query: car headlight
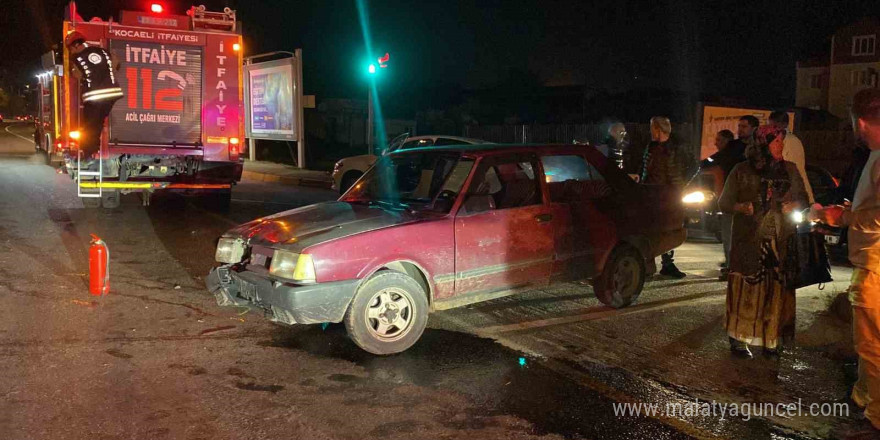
[293,266]
[797,216]
[694,197]
[229,250]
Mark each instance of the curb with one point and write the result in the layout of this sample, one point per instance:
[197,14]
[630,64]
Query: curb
[287,180]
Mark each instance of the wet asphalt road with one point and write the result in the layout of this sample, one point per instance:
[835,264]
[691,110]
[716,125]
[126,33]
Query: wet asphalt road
[158,359]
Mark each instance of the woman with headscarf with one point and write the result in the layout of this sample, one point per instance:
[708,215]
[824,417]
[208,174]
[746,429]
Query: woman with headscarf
[760,193]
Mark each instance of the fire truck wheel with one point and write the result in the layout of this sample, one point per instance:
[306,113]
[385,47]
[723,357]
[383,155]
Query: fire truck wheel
[110,199]
[91,202]
[44,157]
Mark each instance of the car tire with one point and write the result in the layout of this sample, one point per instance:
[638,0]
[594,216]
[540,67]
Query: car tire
[388,314]
[622,279]
[348,180]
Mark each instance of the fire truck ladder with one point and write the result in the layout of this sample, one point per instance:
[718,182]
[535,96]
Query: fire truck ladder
[89,193]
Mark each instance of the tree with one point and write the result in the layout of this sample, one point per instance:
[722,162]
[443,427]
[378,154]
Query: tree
[4,99]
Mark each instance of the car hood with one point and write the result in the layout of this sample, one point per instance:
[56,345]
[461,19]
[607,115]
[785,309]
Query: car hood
[303,227]
[363,158]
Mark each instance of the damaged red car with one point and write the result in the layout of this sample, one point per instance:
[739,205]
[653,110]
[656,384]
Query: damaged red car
[435,228]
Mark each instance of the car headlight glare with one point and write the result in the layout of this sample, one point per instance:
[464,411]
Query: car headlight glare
[797,216]
[283,264]
[229,250]
[305,269]
[694,197]
[293,266]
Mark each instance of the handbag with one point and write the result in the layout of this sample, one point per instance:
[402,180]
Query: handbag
[807,262]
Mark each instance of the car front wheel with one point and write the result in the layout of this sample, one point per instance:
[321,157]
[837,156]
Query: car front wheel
[348,180]
[622,279]
[388,314]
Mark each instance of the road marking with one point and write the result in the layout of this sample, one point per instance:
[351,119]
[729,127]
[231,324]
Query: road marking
[213,215]
[594,313]
[18,136]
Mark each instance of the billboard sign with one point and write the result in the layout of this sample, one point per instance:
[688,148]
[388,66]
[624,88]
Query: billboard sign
[271,100]
[163,93]
[716,118]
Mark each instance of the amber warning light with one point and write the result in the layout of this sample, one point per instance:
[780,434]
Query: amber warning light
[156,8]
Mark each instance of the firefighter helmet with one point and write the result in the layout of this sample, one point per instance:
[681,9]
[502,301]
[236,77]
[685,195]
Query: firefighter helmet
[73,37]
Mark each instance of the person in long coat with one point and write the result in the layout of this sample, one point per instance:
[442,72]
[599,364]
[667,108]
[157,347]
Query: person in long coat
[761,193]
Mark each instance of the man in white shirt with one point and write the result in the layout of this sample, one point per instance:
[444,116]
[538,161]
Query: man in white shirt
[793,149]
[863,218]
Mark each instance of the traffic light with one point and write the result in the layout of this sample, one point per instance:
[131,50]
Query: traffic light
[382,61]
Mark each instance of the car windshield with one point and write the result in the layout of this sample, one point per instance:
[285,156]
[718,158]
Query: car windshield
[415,181]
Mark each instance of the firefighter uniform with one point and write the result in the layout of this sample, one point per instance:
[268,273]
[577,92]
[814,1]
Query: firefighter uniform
[100,91]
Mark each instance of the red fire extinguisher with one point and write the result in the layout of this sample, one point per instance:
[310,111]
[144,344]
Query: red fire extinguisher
[99,267]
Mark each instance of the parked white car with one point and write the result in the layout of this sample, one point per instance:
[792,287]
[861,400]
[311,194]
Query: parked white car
[350,169]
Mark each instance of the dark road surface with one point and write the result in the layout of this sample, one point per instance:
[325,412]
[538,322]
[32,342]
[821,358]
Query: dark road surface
[157,358]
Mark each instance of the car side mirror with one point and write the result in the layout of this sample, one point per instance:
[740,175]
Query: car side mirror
[475,203]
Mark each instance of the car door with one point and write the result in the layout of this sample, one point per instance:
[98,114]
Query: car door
[504,231]
[583,232]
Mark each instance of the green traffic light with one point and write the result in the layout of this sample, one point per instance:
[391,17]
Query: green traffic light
[372,69]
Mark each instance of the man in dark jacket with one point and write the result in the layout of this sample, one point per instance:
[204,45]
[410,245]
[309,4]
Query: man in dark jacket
[726,159]
[665,163]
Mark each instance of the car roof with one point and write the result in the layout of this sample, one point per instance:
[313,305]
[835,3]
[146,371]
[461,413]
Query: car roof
[436,136]
[488,148]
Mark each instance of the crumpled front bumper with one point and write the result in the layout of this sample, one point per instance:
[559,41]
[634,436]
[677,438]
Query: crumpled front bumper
[285,303]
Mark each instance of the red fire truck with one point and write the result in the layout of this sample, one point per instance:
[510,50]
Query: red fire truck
[179,125]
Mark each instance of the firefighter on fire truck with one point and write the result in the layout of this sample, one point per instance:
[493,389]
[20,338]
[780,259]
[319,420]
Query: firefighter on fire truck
[94,68]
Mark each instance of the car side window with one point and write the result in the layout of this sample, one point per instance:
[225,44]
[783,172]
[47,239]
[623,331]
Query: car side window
[448,141]
[572,178]
[417,143]
[503,184]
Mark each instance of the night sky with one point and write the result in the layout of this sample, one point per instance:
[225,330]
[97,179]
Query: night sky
[738,49]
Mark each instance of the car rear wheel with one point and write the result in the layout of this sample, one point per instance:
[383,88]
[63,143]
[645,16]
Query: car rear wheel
[622,279]
[348,180]
[388,314]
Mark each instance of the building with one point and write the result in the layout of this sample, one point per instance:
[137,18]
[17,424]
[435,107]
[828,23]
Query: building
[853,62]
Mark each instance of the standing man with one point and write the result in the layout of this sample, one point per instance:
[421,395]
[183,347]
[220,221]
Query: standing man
[615,144]
[95,70]
[863,219]
[665,163]
[734,154]
[793,150]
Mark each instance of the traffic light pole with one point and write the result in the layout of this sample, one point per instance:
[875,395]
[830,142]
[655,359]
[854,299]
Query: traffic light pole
[370,119]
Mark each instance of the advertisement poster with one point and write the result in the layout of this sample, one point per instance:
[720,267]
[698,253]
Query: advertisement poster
[717,118]
[163,94]
[272,102]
